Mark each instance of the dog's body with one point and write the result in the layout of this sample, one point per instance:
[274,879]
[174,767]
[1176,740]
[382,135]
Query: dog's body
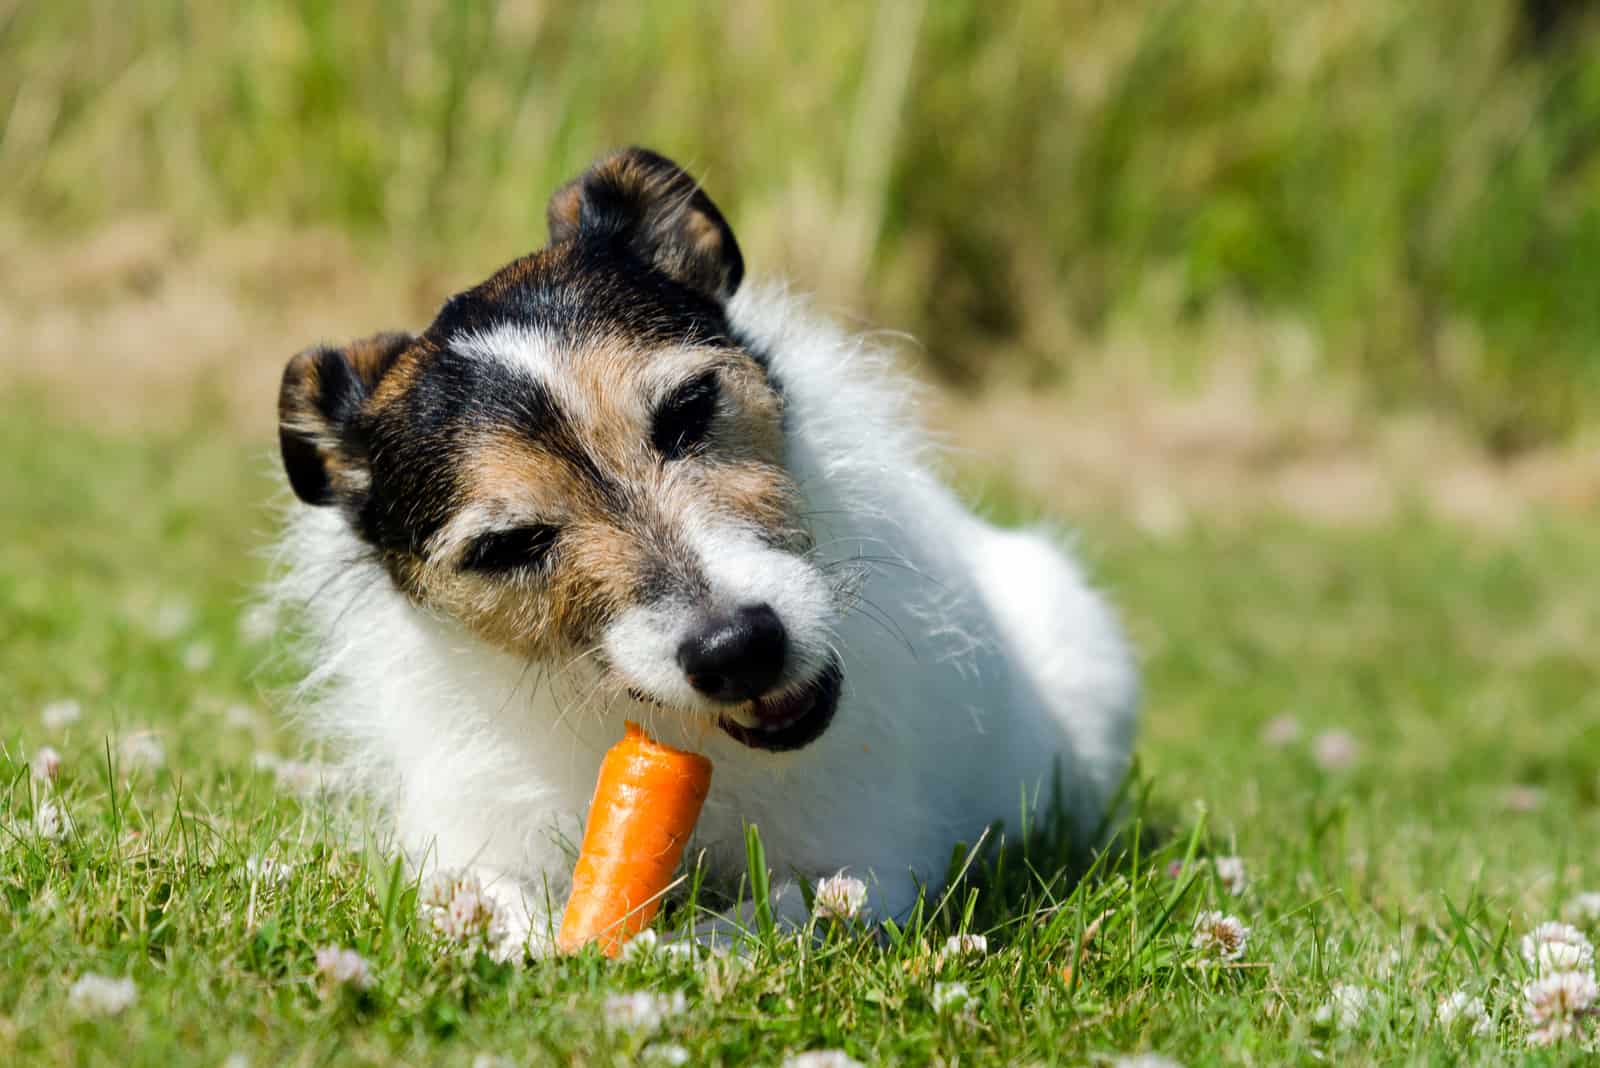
[771,577]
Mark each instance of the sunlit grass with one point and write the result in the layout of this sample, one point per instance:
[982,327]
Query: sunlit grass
[1461,669]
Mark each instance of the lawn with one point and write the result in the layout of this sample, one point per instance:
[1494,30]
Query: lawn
[1374,747]
[1394,729]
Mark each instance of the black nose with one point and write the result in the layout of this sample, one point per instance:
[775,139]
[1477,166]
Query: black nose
[735,658]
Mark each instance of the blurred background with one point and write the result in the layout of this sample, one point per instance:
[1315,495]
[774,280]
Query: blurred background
[1159,257]
[1289,309]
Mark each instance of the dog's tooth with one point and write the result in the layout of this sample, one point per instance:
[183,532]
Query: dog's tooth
[746,718]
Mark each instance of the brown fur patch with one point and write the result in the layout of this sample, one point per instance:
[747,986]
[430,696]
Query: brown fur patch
[621,542]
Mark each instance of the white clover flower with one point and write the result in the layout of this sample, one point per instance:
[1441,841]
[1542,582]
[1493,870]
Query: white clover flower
[197,656]
[681,951]
[1461,1012]
[962,945]
[239,716]
[1220,935]
[822,1058]
[236,1060]
[304,779]
[45,765]
[1557,947]
[642,1011]
[1522,798]
[258,623]
[1556,957]
[50,821]
[665,1053]
[101,995]
[1561,996]
[949,997]
[1344,1008]
[839,897]
[492,1060]
[338,967]
[438,888]
[641,945]
[1281,731]
[472,914]
[1552,1033]
[1145,1060]
[1391,960]
[142,751]
[60,714]
[1230,872]
[648,945]
[462,911]
[1335,750]
[267,871]
[1583,908]
[172,617]
[720,966]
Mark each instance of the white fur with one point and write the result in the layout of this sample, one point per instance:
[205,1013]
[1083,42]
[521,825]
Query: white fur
[976,661]
[517,347]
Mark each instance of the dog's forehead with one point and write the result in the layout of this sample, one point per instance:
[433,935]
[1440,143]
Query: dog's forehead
[588,331]
[602,376]
[579,294]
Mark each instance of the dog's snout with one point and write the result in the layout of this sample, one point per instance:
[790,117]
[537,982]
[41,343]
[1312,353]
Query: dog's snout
[735,657]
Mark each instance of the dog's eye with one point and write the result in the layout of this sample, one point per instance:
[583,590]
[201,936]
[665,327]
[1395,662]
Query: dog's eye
[507,550]
[682,422]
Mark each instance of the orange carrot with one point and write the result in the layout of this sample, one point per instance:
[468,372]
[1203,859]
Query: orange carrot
[645,805]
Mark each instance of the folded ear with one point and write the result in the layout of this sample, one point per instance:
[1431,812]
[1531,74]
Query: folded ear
[652,207]
[319,405]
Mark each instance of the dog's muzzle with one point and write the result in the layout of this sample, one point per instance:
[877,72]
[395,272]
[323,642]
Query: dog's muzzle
[792,719]
[737,659]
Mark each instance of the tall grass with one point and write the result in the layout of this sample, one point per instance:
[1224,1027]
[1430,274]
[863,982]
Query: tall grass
[1417,183]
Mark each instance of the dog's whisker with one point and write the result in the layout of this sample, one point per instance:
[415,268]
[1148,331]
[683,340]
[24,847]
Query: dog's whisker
[563,674]
[521,678]
[878,561]
[879,616]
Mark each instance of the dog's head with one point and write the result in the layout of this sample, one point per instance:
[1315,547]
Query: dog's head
[579,459]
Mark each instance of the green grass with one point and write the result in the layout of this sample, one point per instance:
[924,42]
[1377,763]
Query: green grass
[1464,668]
[1415,183]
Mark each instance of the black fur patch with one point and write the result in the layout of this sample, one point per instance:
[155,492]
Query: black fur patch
[643,204]
[302,461]
[584,292]
[639,256]
[507,550]
[684,419]
[319,401]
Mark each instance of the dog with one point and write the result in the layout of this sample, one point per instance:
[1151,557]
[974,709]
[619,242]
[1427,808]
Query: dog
[616,482]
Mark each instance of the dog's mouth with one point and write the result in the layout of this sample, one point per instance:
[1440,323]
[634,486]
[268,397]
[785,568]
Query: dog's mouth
[789,721]
[783,722]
